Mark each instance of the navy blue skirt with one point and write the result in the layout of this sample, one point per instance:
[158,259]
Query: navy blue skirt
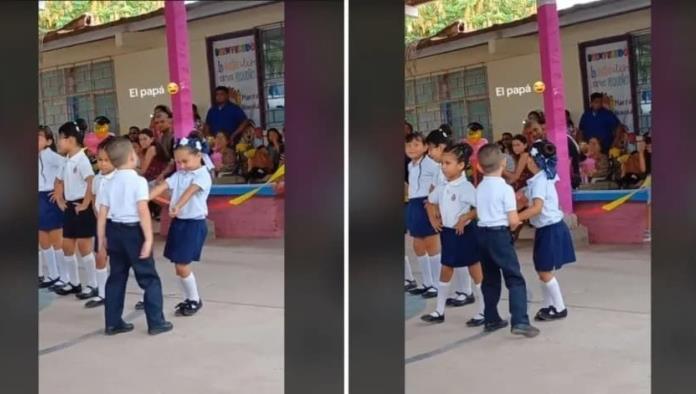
[50,216]
[460,250]
[418,223]
[553,247]
[185,240]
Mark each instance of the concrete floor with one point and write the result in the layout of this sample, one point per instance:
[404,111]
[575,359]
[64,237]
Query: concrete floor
[233,345]
[602,347]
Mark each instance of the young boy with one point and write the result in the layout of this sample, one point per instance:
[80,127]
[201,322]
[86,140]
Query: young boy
[497,212]
[124,225]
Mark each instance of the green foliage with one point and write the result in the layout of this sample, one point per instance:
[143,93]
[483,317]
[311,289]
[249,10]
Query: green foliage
[57,13]
[475,14]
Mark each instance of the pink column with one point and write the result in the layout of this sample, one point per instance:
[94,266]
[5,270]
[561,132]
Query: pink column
[179,72]
[554,97]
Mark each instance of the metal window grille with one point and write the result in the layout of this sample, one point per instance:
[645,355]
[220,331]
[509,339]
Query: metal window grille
[272,47]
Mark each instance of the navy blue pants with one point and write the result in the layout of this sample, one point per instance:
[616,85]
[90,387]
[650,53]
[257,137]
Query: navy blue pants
[124,244]
[498,256]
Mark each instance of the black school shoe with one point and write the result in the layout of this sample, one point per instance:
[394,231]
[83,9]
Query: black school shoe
[526,330]
[161,329]
[495,326]
[418,290]
[123,328]
[456,302]
[58,285]
[191,308]
[140,305]
[475,321]
[94,302]
[86,295]
[550,313]
[45,283]
[433,318]
[430,292]
[410,285]
[69,289]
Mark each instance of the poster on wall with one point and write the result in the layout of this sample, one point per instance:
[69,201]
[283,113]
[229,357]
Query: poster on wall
[233,62]
[606,68]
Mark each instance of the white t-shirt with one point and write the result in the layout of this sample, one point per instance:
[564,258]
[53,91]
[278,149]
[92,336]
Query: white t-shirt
[197,206]
[454,199]
[122,193]
[494,200]
[74,176]
[50,165]
[98,182]
[540,187]
[421,176]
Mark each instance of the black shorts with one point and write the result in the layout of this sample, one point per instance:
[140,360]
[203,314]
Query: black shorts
[78,226]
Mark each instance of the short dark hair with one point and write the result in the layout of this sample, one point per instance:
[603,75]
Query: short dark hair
[461,151]
[415,136]
[71,130]
[222,89]
[440,136]
[410,127]
[596,95]
[506,134]
[118,150]
[490,156]
[102,120]
[102,145]
[82,124]
[475,126]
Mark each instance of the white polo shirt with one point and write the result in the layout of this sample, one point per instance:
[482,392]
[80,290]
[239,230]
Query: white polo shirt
[540,187]
[197,206]
[121,195]
[454,199]
[74,176]
[98,183]
[50,165]
[494,200]
[421,176]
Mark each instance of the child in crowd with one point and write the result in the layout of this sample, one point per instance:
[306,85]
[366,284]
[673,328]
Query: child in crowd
[438,142]
[553,245]
[422,171]
[106,172]
[455,200]
[190,187]
[588,165]
[125,225]
[50,215]
[223,155]
[497,216]
[75,199]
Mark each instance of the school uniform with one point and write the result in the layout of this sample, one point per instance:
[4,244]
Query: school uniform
[98,182]
[188,230]
[553,245]
[125,239]
[50,165]
[494,199]
[421,177]
[74,176]
[454,199]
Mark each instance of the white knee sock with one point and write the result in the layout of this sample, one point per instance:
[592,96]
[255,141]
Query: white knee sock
[435,267]
[63,273]
[425,270]
[443,290]
[102,276]
[556,296]
[41,263]
[90,267]
[49,258]
[463,280]
[189,285]
[72,270]
[407,269]
[479,299]
[546,296]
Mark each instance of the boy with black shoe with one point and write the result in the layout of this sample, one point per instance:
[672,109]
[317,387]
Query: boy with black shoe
[497,212]
[125,227]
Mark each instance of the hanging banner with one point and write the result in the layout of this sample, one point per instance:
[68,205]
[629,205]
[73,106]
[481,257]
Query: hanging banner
[606,68]
[233,62]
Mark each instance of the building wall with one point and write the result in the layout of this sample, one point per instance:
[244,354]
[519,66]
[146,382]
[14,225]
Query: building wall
[141,61]
[515,62]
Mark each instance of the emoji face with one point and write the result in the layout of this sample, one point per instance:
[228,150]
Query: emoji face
[474,136]
[101,131]
[539,87]
[172,88]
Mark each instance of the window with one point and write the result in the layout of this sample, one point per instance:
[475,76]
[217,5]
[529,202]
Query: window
[456,98]
[77,91]
[272,45]
[642,62]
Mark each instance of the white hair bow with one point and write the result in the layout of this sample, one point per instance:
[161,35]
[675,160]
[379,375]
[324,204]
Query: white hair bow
[534,152]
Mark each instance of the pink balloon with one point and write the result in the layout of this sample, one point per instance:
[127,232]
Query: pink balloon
[92,142]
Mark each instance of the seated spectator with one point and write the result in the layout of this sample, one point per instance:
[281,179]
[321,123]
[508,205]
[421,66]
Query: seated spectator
[223,156]
[601,170]
[587,164]
[619,147]
[638,165]
[276,147]
[155,158]
[260,166]
[518,178]
[510,161]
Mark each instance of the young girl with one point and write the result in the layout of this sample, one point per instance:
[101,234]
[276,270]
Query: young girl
[189,187]
[438,141]
[455,200]
[223,157]
[106,172]
[422,172]
[75,199]
[553,245]
[50,215]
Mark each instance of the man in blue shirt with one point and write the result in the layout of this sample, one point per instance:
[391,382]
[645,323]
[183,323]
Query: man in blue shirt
[598,122]
[224,116]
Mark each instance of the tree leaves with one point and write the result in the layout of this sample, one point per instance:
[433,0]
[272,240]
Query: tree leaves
[57,13]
